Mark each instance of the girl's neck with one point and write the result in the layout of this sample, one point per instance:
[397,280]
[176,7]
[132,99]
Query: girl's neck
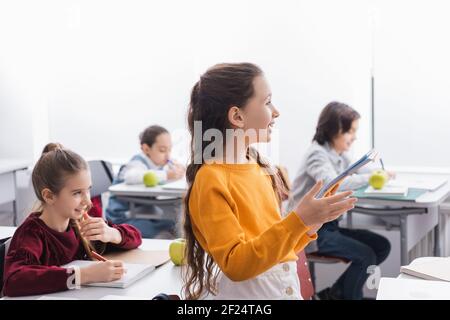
[53,220]
[238,155]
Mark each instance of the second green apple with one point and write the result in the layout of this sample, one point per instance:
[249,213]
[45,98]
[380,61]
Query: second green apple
[378,179]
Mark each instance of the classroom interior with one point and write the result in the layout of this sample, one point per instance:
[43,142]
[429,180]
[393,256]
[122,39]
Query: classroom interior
[92,75]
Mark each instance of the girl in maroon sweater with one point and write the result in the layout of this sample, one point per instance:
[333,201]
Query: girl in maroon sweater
[61,231]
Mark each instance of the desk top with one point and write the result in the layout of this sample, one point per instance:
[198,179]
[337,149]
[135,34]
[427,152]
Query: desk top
[6,232]
[10,165]
[429,198]
[140,190]
[408,287]
[411,289]
[164,279]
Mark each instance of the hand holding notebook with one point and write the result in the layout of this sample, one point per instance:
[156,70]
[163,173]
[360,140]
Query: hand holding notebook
[331,187]
[314,211]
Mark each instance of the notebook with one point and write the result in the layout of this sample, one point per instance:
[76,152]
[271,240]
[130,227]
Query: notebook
[387,190]
[334,184]
[134,272]
[435,269]
[176,185]
[426,183]
[151,257]
[412,289]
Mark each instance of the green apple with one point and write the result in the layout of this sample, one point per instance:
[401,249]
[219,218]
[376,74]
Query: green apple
[176,251]
[150,179]
[378,179]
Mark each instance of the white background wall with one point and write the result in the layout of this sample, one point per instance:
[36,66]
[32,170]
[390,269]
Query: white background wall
[93,74]
[412,68]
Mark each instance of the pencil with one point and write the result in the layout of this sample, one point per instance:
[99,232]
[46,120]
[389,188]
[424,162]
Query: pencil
[382,164]
[97,256]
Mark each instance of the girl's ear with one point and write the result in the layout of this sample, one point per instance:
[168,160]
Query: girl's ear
[48,196]
[145,148]
[235,117]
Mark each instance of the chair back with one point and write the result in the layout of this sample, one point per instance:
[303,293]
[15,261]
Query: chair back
[102,176]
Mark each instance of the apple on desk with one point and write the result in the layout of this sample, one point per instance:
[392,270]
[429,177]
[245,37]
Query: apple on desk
[378,179]
[150,179]
[176,251]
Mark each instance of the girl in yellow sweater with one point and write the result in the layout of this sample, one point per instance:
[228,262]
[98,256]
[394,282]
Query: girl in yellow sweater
[238,244]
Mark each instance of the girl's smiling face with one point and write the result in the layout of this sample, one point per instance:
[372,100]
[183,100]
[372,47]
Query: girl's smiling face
[259,113]
[74,198]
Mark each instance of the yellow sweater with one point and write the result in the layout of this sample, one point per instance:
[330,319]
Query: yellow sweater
[236,219]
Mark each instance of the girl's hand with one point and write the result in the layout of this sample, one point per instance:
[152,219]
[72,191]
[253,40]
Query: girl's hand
[175,172]
[314,211]
[391,174]
[178,165]
[106,271]
[97,229]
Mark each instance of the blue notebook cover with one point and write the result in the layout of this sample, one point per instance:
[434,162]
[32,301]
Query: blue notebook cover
[334,184]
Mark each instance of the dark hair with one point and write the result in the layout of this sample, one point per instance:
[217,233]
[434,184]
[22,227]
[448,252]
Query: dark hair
[149,135]
[51,172]
[335,118]
[52,146]
[219,88]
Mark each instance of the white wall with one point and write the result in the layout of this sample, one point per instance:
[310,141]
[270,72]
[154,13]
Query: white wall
[92,74]
[23,78]
[412,68]
[101,71]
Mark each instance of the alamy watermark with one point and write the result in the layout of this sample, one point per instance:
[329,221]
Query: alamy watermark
[373,280]
[213,145]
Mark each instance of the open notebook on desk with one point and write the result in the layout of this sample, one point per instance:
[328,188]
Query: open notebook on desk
[180,184]
[138,263]
[436,269]
[331,187]
[133,273]
[426,183]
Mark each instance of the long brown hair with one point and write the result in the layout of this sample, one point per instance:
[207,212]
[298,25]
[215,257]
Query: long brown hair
[220,88]
[51,171]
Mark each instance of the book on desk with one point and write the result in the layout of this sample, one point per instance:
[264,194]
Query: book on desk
[436,269]
[134,272]
[137,262]
[387,190]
